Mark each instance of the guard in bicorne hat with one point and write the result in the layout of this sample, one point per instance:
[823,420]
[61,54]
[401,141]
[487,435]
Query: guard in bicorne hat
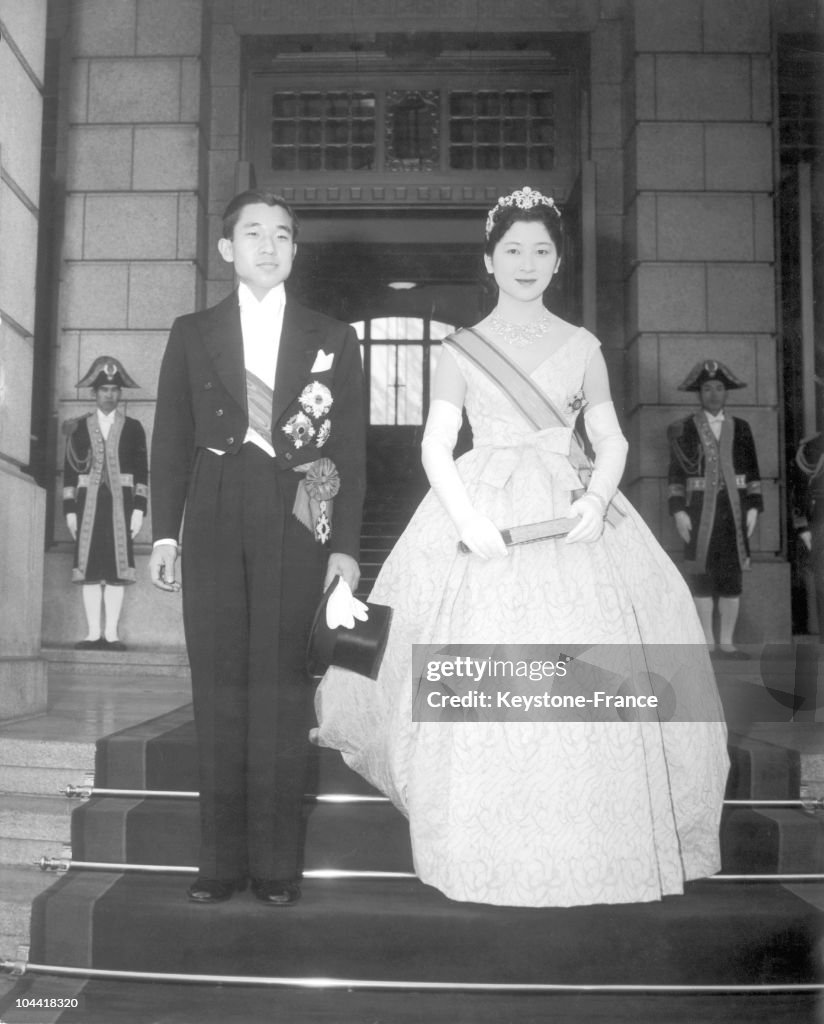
[105,492]
[806,478]
[715,498]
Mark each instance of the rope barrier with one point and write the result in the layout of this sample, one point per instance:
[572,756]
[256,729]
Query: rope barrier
[66,864]
[85,792]
[19,968]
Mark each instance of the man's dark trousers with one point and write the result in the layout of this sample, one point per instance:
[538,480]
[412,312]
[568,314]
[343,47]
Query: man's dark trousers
[253,576]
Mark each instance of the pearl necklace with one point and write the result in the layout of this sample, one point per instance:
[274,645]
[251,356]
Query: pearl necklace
[521,335]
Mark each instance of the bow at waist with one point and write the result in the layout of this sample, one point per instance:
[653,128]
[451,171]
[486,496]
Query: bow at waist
[550,447]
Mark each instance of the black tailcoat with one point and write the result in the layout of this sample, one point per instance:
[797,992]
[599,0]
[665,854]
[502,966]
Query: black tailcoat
[252,573]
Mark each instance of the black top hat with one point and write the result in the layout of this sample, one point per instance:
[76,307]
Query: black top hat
[710,369]
[106,370]
[359,649]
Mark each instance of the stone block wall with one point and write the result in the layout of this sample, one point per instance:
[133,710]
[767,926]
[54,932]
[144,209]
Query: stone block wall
[22,502]
[700,248]
[136,128]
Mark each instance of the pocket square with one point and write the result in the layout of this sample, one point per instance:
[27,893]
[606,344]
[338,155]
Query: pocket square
[322,362]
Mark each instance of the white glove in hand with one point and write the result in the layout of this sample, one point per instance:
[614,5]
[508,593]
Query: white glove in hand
[343,607]
[483,538]
[610,447]
[478,532]
[71,522]
[591,513]
[683,524]
[136,523]
[752,519]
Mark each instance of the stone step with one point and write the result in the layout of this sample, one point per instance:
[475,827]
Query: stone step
[137,660]
[43,781]
[43,767]
[19,885]
[28,852]
[812,775]
[33,826]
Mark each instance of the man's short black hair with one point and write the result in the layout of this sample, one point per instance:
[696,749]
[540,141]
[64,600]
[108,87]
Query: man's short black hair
[231,215]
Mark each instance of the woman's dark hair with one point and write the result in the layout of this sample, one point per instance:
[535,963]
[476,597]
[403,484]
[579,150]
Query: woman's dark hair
[231,215]
[504,217]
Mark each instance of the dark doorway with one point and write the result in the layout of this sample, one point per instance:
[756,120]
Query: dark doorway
[403,299]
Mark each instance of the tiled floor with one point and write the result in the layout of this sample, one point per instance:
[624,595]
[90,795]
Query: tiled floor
[84,707]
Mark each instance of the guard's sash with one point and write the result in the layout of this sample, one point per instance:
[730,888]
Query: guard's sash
[718,467]
[530,400]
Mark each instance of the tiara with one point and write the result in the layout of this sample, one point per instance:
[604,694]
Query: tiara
[525,198]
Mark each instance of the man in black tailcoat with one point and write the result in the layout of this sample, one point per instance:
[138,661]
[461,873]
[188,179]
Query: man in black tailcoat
[260,435]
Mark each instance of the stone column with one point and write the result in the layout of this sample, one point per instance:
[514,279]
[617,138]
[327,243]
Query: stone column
[132,251]
[700,245]
[22,502]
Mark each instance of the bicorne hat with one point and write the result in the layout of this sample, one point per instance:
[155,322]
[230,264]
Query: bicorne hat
[106,370]
[710,369]
[359,649]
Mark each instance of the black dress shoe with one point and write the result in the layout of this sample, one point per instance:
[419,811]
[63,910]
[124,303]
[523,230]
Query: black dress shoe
[214,890]
[735,654]
[89,645]
[114,645]
[274,892]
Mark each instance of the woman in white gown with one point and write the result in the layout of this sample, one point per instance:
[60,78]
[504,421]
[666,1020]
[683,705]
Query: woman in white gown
[534,813]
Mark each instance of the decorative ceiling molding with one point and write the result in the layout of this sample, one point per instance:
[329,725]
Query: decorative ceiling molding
[286,17]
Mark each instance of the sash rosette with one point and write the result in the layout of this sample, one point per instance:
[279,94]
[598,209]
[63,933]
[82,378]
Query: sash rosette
[313,499]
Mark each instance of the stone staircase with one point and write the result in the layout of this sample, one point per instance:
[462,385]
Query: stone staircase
[35,822]
[41,756]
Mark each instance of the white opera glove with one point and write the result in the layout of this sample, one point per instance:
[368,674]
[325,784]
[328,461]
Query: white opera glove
[71,523]
[478,532]
[610,447]
[136,522]
[590,510]
[343,607]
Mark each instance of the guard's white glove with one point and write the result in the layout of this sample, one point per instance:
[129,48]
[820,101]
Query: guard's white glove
[71,522]
[136,523]
[806,539]
[752,519]
[343,607]
[478,532]
[683,524]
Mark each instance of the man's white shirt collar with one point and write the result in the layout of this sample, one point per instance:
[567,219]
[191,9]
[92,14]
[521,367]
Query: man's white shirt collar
[105,421]
[716,423]
[272,302]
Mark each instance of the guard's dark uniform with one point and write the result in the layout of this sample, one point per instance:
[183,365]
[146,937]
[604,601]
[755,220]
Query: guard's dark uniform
[807,481]
[703,474]
[103,482]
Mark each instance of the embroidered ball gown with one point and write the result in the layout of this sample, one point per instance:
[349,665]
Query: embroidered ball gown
[536,813]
